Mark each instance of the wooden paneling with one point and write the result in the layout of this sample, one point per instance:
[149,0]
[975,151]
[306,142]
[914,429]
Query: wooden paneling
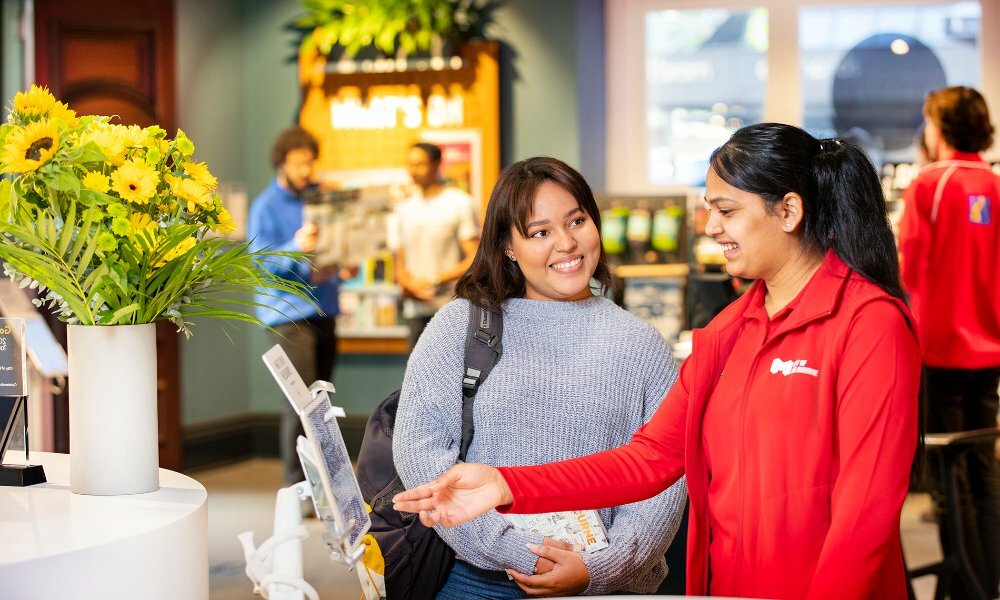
[116,57]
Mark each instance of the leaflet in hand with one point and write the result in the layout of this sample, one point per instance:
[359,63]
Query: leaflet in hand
[581,527]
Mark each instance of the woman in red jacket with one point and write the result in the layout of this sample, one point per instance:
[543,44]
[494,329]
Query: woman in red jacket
[795,418]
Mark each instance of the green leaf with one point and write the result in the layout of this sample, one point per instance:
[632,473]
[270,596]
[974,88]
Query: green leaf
[68,227]
[87,153]
[81,239]
[65,181]
[125,311]
[89,197]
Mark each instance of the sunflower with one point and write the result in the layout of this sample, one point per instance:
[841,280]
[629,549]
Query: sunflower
[200,173]
[135,181]
[38,103]
[30,147]
[97,181]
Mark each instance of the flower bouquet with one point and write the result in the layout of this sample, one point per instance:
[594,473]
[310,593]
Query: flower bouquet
[116,225]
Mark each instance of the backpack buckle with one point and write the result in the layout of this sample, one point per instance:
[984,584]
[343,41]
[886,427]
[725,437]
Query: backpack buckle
[486,338]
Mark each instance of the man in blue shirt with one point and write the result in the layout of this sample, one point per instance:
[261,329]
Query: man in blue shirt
[309,336]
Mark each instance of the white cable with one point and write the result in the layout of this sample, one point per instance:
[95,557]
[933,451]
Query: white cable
[256,558]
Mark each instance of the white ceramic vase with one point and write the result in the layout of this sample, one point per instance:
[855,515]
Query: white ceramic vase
[113,436]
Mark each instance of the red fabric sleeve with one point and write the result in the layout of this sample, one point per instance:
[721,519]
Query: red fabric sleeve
[877,392]
[914,240]
[650,463]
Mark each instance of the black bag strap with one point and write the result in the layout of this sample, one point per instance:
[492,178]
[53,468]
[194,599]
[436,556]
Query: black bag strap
[482,351]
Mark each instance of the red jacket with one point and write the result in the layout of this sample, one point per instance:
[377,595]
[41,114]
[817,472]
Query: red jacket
[949,239]
[827,457]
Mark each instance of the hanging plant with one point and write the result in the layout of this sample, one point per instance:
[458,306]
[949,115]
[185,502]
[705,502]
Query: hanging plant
[389,25]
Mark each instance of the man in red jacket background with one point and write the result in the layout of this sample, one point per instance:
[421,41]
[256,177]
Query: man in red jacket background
[949,240]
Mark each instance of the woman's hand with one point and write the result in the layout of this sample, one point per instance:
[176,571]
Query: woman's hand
[460,494]
[544,565]
[567,577]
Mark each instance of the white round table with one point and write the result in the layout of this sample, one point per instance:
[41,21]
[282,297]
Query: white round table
[55,544]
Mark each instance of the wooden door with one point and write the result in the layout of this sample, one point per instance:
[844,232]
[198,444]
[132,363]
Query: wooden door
[116,57]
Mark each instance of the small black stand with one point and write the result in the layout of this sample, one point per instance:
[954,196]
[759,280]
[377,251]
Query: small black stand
[21,475]
[16,475]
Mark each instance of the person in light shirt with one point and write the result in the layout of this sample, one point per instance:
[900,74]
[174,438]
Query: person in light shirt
[438,232]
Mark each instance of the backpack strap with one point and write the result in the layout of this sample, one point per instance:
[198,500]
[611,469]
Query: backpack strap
[482,351]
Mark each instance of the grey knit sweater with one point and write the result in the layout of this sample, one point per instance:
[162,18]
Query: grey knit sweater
[575,378]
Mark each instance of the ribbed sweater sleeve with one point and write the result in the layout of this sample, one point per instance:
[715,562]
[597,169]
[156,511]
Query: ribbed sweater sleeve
[575,378]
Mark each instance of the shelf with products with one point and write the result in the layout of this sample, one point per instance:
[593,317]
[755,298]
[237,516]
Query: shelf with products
[369,320]
[646,240]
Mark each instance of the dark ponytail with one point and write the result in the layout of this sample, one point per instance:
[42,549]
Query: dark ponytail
[844,209]
[844,206]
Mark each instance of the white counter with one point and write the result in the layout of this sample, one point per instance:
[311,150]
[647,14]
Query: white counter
[55,544]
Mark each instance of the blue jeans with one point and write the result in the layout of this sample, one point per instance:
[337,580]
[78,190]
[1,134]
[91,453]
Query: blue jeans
[467,582]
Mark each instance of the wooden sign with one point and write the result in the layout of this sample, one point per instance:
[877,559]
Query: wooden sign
[368,115]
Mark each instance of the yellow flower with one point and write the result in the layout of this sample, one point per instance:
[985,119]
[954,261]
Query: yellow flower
[178,250]
[30,147]
[195,194]
[132,134]
[141,222]
[226,223]
[97,181]
[108,139]
[200,173]
[38,103]
[135,181]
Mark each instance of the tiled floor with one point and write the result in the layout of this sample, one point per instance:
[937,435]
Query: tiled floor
[241,498]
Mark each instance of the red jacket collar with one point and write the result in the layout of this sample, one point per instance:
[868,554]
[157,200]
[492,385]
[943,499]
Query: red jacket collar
[819,298]
[958,155]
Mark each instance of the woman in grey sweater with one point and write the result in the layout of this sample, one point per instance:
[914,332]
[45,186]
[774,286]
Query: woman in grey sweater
[578,375]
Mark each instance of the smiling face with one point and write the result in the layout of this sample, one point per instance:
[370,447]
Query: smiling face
[757,242]
[562,248]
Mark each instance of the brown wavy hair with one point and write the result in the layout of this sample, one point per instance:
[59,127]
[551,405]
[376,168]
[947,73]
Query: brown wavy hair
[962,116]
[492,277]
[293,138]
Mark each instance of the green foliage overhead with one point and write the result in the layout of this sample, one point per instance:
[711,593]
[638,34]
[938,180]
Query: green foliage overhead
[390,24]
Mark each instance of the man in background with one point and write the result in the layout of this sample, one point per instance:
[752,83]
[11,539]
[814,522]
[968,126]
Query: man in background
[438,237]
[949,239]
[309,333]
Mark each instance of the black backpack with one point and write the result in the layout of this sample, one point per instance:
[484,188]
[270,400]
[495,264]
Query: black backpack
[417,560]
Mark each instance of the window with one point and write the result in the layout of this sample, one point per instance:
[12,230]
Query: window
[865,70]
[706,74]
[682,74]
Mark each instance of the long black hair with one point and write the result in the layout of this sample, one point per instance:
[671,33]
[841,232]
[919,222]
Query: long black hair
[492,277]
[844,208]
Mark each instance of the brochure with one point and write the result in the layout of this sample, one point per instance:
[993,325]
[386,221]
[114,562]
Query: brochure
[581,527]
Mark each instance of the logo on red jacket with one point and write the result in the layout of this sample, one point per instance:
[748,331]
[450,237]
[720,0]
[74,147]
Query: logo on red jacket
[979,209]
[791,367]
